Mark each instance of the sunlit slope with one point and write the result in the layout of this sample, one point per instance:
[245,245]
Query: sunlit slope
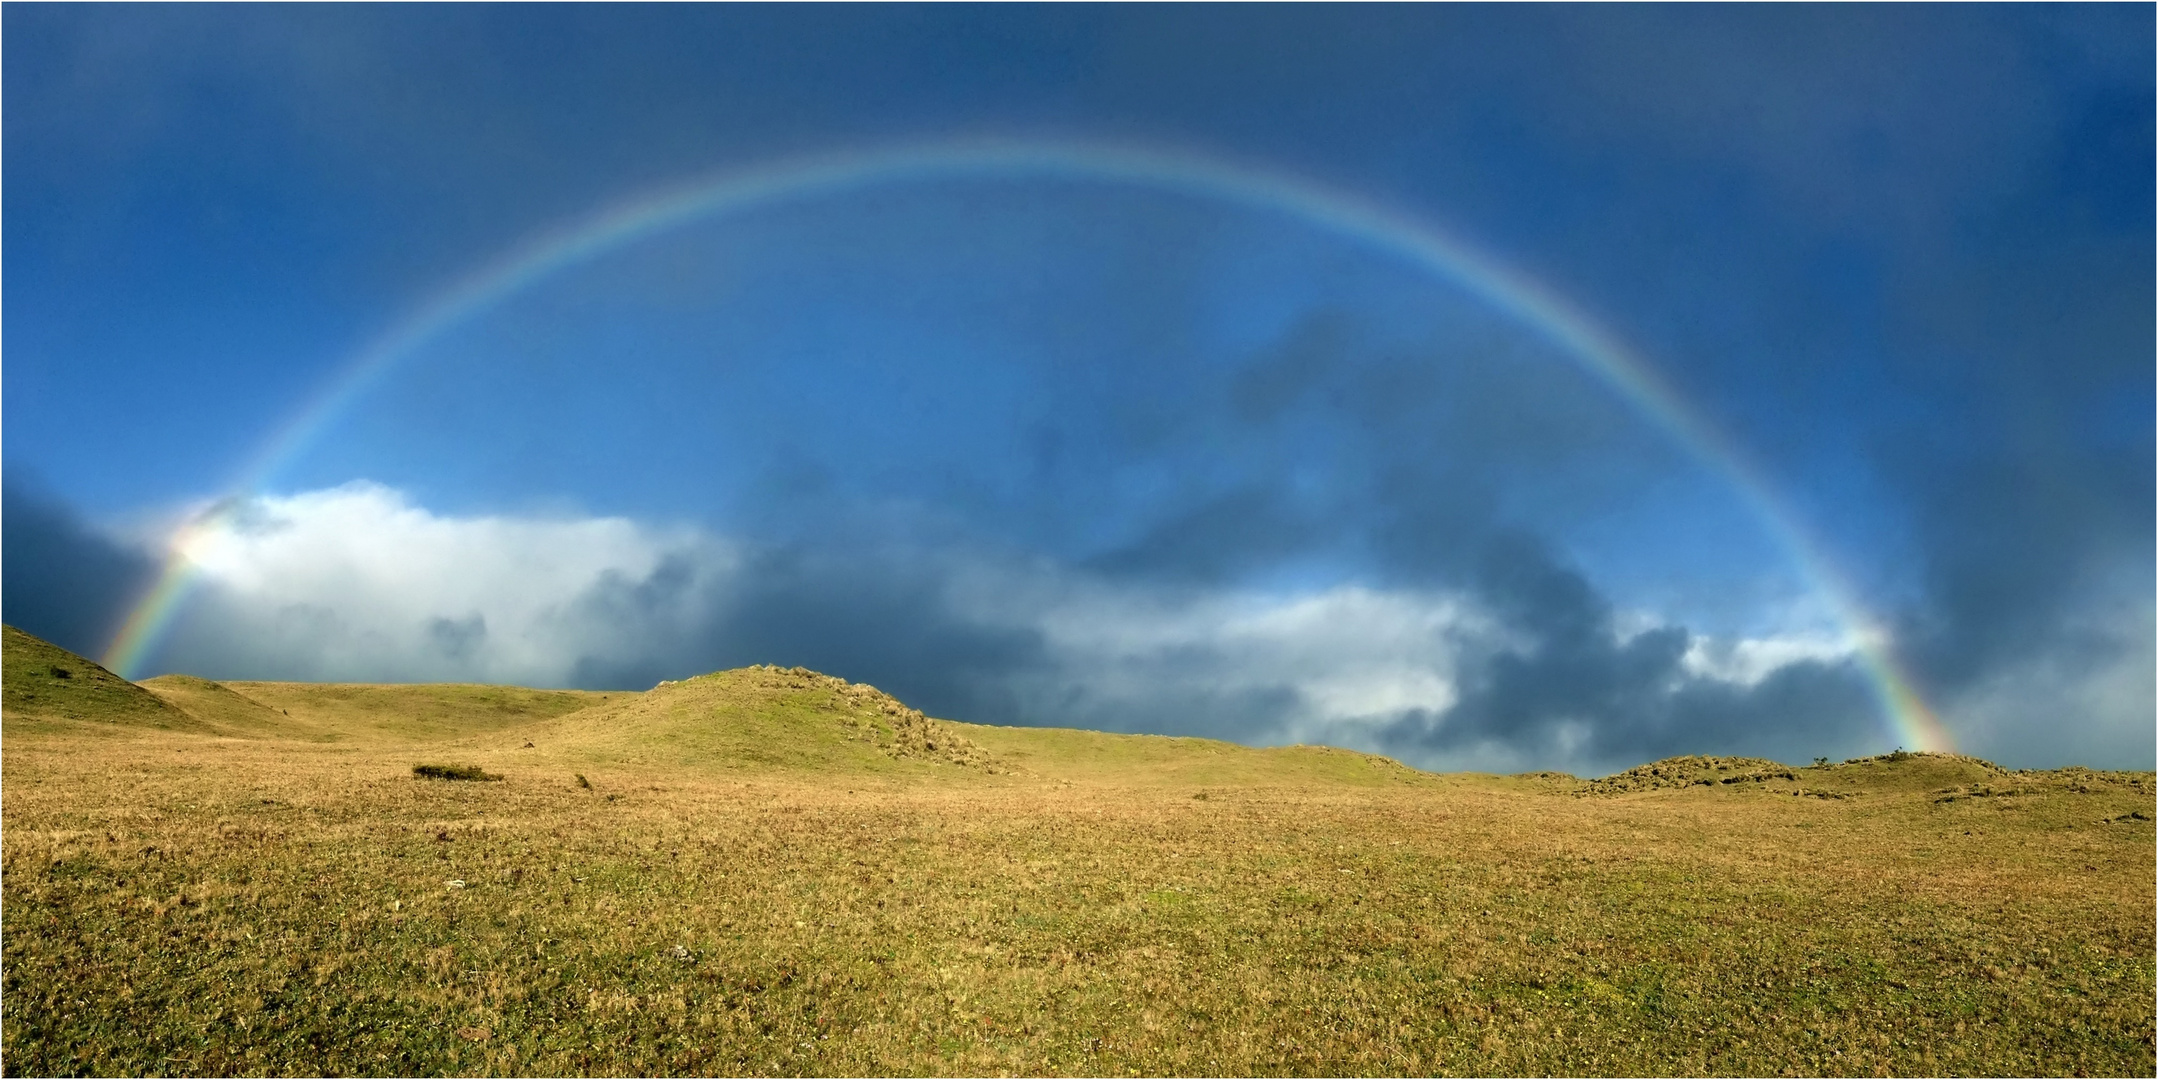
[1075,755]
[45,686]
[1897,772]
[226,710]
[413,712]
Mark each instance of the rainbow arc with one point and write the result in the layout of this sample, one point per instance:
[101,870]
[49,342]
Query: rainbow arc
[1596,350]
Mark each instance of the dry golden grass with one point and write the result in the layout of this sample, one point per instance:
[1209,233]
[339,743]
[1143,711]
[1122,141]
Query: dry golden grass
[185,903]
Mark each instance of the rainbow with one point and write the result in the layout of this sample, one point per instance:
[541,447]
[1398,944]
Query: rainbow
[1418,243]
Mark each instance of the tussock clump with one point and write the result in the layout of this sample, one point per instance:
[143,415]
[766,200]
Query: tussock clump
[1690,771]
[2073,780]
[1548,776]
[453,772]
[2082,781]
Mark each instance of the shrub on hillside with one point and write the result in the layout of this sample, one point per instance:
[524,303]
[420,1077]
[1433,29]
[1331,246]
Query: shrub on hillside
[453,772]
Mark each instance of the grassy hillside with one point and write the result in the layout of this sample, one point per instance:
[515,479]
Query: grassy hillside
[225,710]
[414,712]
[770,871]
[1124,760]
[43,685]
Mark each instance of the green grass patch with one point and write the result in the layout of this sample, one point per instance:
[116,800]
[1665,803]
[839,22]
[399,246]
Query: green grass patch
[43,685]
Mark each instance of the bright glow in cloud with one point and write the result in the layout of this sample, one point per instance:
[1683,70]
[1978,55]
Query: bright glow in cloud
[1746,661]
[356,582]
[1352,656]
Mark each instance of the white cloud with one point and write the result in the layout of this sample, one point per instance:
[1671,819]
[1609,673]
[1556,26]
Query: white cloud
[358,583]
[1352,656]
[1746,661]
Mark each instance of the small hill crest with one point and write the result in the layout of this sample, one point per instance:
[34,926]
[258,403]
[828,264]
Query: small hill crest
[765,715]
[220,706]
[1902,770]
[897,728]
[1695,770]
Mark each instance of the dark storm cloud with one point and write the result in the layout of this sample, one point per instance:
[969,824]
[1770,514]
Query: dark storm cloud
[457,639]
[1401,456]
[1560,678]
[2013,552]
[64,581]
[2032,570]
[1553,680]
[1231,534]
[2034,518]
[880,619]
[1454,436]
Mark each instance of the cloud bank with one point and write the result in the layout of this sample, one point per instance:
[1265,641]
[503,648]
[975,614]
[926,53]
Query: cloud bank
[1522,664]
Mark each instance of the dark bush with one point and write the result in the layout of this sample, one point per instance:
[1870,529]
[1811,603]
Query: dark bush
[452,772]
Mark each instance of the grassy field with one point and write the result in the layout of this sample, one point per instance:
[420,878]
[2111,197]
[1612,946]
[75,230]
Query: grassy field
[767,871]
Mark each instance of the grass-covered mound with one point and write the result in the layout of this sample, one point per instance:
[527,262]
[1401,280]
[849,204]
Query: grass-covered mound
[766,719]
[1692,771]
[1899,772]
[1904,771]
[763,718]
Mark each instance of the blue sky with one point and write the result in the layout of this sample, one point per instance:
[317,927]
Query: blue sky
[1062,450]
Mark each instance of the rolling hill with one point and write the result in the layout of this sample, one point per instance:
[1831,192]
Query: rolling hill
[772,870]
